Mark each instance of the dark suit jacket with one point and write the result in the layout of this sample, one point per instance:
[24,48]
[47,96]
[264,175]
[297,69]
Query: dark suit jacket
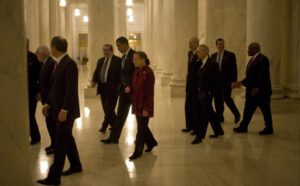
[113,75]
[127,70]
[228,67]
[143,91]
[209,80]
[33,72]
[192,71]
[45,78]
[64,90]
[258,76]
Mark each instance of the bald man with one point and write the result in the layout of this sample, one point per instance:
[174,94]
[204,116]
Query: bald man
[43,54]
[208,87]
[191,86]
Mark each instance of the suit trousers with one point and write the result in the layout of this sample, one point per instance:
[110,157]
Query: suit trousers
[144,135]
[34,129]
[122,112]
[191,108]
[51,127]
[226,97]
[251,104]
[109,102]
[65,145]
[207,114]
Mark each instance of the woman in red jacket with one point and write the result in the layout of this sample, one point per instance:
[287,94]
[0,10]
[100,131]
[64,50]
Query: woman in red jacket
[142,103]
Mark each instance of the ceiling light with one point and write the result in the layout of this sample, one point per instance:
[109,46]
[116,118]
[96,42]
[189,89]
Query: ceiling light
[62,3]
[77,12]
[85,19]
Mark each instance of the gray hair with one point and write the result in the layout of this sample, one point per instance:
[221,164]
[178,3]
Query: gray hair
[204,48]
[254,46]
[44,50]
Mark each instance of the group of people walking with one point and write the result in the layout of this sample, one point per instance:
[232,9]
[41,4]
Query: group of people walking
[212,78]
[129,81]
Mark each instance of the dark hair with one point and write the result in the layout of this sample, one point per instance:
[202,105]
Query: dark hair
[59,44]
[122,40]
[144,56]
[111,48]
[219,39]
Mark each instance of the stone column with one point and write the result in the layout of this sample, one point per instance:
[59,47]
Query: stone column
[264,20]
[53,21]
[62,21]
[184,27]
[167,42]
[120,18]
[44,22]
[14,133]
[101,31]
[292,65]
[148,38]
[32,23]
[70,22]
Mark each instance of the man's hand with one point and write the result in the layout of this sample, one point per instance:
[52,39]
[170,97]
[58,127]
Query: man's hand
[236,84]
[45,110]
[254,92]
[93,85]
[145,113]
[127,89]
[62,115]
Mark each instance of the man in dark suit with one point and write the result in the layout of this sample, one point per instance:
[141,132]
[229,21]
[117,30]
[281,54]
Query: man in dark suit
[43,54]
[63,105]
[208,88]
[258,90]
[191,95]
[228,68]
[124,90]
[107,76]
[33,71]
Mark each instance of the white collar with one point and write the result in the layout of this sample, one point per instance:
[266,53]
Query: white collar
[127,51]
[255,55]
[58,59]
[46,59]
[204,61]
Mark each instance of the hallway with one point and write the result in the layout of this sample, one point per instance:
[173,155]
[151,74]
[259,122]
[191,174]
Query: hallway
[235,159]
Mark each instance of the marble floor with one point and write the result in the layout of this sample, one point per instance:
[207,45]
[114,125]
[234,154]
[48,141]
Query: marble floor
[235,159]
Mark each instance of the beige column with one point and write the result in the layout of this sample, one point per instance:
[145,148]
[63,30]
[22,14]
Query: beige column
[101,31]
[167,42]
[62,21]
[184,27]
[53,20]
[14,133]
[120,18]
[70,21]
[264,20]
[44,22]
[32,23]
[293,65]
[148,32]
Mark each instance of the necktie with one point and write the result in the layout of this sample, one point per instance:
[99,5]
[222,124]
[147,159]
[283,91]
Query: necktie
[123,60]
[219,60]
[103,71]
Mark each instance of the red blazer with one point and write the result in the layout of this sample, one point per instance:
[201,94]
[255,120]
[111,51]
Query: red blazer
[143,91]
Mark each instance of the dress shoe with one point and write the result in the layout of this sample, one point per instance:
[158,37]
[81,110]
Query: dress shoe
[237,119]
[186,130]
[240,130]
[266,131]
[109,141]
[49,147]
[35,142]
[50,151]
[71,171]
[48,181]
[135,156]
[196,141]
[149,149]
[102,130]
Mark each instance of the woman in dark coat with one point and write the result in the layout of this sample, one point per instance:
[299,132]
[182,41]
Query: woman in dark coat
[142,103]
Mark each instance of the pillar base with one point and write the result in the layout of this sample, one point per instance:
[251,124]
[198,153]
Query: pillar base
[165,78]
[293,92]
[177,87]
[277,92]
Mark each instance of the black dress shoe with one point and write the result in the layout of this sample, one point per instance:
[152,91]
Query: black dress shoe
[266,131]
[237,119]
[186,130]
[102,130]
[109,141]
[135,156]
[48,181]
[71,171]
[196,141]
[240,130]
[49,147]
[50,151]
[149,149]
[35,142]
[193,133]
